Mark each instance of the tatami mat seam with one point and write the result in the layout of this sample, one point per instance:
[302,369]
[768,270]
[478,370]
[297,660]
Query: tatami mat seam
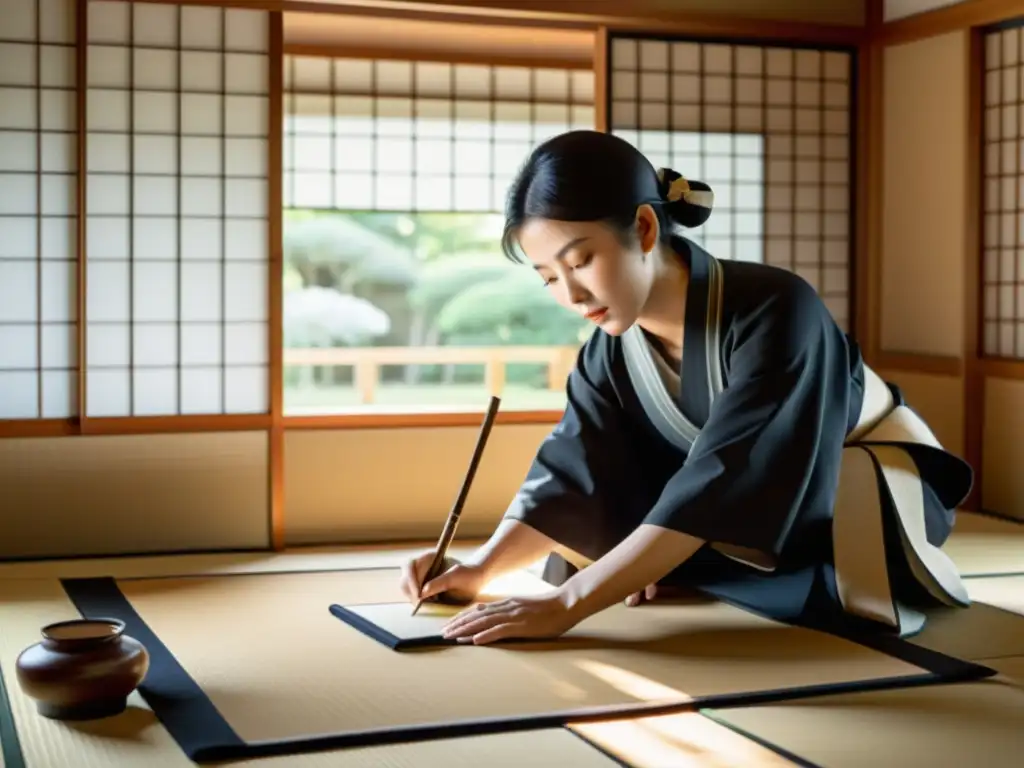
[232,574]
[1011,655]
[10,743]
[597,747]
[996,575]
[781,751]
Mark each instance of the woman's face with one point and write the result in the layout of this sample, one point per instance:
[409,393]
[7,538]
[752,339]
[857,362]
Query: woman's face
[589,269]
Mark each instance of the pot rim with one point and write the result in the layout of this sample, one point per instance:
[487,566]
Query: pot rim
[116,625]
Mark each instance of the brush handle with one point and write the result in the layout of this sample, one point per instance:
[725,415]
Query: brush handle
[452,523]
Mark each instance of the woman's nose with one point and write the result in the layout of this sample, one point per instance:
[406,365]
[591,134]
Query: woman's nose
[576,293]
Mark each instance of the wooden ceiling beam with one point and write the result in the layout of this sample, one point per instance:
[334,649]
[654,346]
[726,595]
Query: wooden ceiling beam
[619,15]
[319,34]
[950,18]
[567,14]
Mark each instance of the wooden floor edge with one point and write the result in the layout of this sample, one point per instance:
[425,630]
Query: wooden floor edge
[157,425]
[12,428]
[225,562]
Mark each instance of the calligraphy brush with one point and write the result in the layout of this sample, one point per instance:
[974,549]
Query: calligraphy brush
[448,532]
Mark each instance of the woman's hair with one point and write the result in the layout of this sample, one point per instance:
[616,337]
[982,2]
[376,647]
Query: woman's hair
[594,176]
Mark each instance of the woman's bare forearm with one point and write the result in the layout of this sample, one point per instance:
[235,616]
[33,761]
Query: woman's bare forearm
[644,557]
[512,546]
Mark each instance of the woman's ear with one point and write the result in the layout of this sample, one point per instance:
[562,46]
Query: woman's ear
[646,228]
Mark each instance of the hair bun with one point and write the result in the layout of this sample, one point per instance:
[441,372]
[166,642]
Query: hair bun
[687,202]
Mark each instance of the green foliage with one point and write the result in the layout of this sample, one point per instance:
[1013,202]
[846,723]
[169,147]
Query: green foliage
[431,235]
[514,306]
[440,278]
[351,252]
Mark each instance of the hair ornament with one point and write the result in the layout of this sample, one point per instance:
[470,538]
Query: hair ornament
[675,187]
[689,202]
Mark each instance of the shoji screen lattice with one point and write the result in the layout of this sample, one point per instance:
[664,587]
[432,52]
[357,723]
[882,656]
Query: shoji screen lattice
[38,210]
[1003,225]
[371,134]
[769,128]
[177,125]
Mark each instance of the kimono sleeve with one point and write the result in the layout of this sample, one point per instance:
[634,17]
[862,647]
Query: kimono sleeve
[771,448]
[572,485]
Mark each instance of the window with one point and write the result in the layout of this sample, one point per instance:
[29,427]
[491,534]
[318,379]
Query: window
[768,128]
[1003,222]
[396,294]
[38,215]
[176,210]
[175,252]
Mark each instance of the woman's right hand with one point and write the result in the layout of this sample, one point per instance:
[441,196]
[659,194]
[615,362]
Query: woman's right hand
[459,583]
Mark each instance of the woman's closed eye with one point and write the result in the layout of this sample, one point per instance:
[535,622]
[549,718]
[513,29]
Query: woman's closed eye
[578,264]
[585,261]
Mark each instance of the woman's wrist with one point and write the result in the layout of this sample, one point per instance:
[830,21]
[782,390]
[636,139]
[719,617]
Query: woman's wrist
[513,546]
[577,608]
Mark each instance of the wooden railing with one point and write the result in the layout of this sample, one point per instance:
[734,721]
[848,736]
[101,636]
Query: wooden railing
[367,361]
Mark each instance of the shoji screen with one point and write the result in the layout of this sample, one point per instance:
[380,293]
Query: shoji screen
[1003,236]
[177,123]
[38,221]
[383,135]
[769,128]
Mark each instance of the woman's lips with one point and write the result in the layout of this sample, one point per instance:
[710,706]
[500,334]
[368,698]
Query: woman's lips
[597,315]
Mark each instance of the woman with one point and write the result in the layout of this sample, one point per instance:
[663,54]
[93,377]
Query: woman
[721,431]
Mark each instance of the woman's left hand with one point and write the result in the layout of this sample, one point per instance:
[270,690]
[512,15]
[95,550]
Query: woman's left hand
[513,618]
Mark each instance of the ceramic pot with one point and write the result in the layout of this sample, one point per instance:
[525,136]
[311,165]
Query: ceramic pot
[83,669]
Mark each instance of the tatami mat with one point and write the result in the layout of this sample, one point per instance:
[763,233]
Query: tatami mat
[32,597]
[982,545]
[686,739]
[1006,592]
[984,548]
[273,663]
[980,631]
[136,738]
[991,628]
[951,725]
[1011,669]
[672,651]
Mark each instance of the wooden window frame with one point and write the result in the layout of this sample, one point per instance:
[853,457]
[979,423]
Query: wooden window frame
[414,418]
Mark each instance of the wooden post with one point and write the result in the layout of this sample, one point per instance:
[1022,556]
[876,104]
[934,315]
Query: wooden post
[367,375]
[494,374]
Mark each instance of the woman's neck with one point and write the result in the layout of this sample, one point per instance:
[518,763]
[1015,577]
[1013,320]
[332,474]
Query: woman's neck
[664,312]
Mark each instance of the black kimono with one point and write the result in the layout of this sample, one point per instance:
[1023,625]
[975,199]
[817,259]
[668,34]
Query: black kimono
[820,493]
